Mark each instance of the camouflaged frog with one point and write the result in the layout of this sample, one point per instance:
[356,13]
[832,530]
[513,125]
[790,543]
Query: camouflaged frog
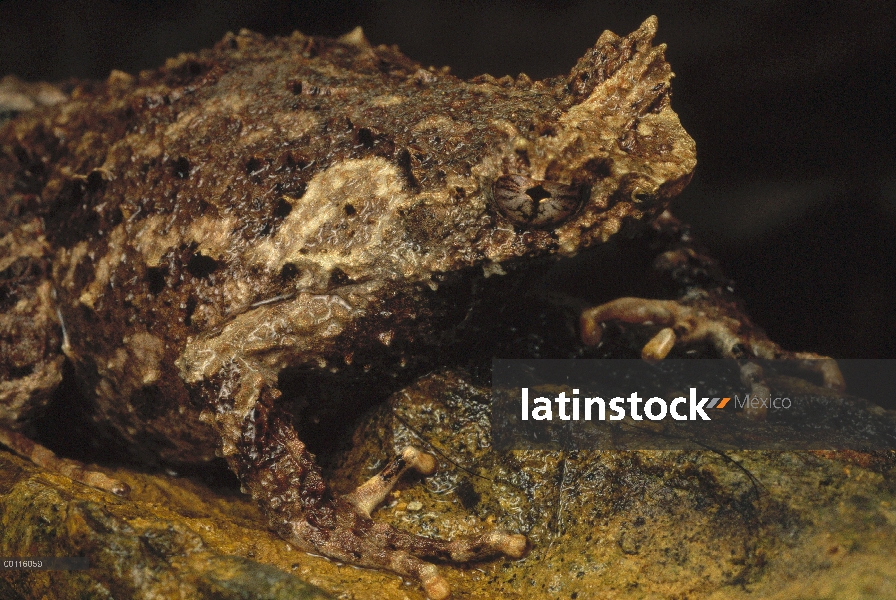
[185,236]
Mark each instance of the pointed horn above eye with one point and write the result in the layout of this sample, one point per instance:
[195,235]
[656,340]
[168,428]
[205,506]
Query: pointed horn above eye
[355,37]
[608,55]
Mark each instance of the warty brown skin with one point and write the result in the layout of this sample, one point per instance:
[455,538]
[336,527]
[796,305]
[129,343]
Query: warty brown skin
[185,235]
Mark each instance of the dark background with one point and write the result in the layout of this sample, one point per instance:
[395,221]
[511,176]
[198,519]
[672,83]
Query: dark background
[791,105]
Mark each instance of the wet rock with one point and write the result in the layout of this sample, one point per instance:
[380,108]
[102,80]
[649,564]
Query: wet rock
[637,524]
[172,539]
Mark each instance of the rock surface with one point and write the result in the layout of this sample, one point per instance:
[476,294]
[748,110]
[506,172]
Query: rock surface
[641,524]
[633,524]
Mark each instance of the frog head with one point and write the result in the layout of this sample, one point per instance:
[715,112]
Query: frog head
[612,149]
[490,170]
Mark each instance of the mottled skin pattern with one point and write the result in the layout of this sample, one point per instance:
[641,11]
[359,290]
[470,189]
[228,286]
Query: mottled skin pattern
[184,236]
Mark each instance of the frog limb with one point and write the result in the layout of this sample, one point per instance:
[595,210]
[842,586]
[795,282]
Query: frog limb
[680,322]
[31,362]
[372,492]
[706,311]
[45,458]
[265,452]
[702,320]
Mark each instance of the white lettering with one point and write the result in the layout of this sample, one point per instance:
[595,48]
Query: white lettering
[616,408]
[525,404]
[634,400]
[562,401]
[601,413]
[649,414]
[674,411]
[697,408]
[542,412]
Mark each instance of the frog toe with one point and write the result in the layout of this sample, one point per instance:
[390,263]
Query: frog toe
[372,492]
[276,466]
[357,539]
[380,545]
[75,470]
[709,319]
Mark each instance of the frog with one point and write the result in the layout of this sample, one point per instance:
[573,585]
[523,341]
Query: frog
[184,236]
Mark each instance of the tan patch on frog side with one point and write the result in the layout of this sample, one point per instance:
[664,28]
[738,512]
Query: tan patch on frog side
[148,351]
[347,219]
[135,364]
[25,395]
[387,100]
[198,121]
[295,125]
[211,234]
[289,126]
[270,335]
[23,242]
[105,266]
[443,123]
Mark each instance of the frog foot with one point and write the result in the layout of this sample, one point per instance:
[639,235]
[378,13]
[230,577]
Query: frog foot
[45,458]
[402,552]
[284,477]
[700,319]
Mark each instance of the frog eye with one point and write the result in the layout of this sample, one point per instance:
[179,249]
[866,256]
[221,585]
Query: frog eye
[533,203]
